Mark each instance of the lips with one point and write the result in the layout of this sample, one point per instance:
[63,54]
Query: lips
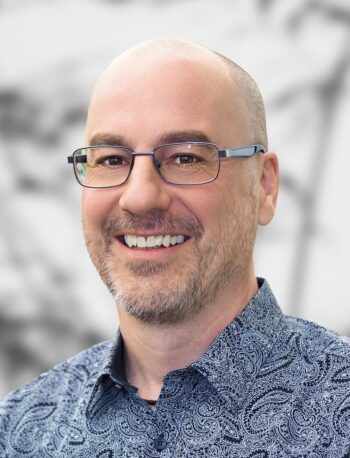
[155,231]
[153,241]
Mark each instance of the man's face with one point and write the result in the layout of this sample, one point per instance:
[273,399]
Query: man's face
[146,106]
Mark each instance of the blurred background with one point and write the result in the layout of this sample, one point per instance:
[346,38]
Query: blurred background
[52,302]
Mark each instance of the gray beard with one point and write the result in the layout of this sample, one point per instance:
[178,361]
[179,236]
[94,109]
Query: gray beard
[169,305]
[166,305]
[216,265]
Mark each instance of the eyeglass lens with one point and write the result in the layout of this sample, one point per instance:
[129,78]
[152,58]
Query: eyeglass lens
[108,166]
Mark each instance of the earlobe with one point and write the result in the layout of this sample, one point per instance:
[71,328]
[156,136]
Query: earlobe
[269,182]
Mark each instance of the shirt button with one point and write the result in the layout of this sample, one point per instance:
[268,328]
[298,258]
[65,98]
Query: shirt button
[160,443]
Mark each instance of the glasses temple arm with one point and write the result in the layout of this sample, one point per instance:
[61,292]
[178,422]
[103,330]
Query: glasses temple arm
[245,151]
[75,159]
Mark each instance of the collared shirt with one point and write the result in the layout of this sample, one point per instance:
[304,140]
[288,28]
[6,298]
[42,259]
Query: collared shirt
[268,386]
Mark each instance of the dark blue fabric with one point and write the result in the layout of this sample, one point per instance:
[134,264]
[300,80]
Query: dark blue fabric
[268,386]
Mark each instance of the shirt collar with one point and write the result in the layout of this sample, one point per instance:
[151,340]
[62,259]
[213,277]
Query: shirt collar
[234,359]
[113,364]
[231,362]
[111,372]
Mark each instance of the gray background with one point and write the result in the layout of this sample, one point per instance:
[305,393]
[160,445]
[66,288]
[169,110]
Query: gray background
[52,302]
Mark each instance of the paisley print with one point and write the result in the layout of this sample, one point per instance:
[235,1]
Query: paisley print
[269,386]
[32,424]
[341,417]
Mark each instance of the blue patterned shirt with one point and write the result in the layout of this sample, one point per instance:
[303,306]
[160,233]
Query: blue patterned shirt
[268,386]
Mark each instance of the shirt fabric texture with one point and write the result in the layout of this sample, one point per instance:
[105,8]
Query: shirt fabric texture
[268,386]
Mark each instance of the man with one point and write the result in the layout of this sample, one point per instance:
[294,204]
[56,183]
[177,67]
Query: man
[176,177]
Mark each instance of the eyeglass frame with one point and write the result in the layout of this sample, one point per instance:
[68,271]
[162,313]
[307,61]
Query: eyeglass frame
[240,151]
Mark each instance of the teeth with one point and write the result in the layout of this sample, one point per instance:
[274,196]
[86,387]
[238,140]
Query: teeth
[141,242]
[153,240]
[166,241]
[130,240]
[180,239]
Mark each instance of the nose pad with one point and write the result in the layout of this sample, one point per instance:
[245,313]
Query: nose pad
[145,189]
[157,164]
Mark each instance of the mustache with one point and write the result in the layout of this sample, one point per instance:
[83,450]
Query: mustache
[155,221]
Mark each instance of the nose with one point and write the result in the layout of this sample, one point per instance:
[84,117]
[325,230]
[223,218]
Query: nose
[145,189]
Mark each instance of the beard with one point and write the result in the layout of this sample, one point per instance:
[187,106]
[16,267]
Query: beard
[162,293]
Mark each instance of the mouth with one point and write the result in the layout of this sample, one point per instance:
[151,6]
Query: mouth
[152,241]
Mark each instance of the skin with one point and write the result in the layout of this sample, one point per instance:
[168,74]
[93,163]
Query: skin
[151,91]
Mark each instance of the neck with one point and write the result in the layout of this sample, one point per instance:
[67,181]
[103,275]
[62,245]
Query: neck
[153,350]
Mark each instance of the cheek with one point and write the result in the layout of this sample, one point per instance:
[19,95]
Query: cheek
[230,201]
[209,204]
[97,204]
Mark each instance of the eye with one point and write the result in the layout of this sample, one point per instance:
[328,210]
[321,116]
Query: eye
[112,161]
[186,159]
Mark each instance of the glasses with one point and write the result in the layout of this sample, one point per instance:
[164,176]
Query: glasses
[186,163]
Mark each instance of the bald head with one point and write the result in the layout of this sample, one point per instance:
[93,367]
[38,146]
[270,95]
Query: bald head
[253,101]
[156,58]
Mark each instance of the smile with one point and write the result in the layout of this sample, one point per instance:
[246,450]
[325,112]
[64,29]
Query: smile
[153,241]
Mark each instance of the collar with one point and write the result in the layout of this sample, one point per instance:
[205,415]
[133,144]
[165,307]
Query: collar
[231,362]
[110,375]
[113,364]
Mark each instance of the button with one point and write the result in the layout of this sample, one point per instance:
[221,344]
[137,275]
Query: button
[160,443]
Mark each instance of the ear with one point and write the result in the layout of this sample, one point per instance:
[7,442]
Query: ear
[269,182]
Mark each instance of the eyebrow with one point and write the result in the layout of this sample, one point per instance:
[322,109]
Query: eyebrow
[182,136]
[108,139]
[176,136]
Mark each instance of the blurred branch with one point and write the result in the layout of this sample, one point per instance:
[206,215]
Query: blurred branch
[329,94]
[333,11]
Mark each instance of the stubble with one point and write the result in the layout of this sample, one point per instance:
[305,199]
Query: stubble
[154,292]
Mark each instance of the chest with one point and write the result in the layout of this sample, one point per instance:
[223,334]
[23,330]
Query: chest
[193,420]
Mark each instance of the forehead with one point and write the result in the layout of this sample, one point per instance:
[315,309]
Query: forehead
[157,93]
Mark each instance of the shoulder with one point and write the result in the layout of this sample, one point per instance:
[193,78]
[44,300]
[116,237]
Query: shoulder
[305,384]
[77,369]
[58,388]
[314,341]
[311,361]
